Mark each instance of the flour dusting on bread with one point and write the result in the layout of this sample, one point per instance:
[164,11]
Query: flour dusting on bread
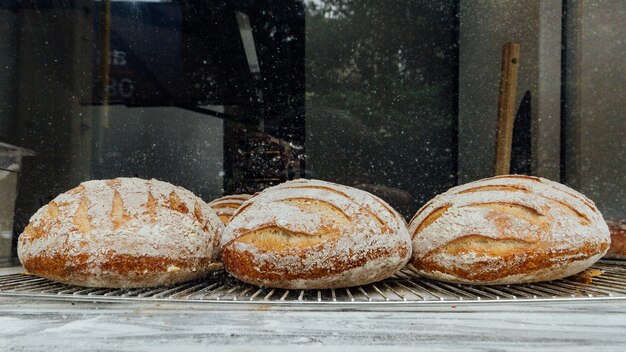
[124,232]
[507,229]
[315,234]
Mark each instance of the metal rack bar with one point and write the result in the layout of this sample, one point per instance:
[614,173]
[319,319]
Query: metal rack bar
[405,289]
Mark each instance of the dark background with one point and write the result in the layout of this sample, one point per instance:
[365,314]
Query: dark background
[362,93]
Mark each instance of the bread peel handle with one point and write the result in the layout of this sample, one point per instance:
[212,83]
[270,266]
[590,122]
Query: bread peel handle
[506,103]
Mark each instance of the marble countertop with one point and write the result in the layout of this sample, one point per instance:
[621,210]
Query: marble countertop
[37,325]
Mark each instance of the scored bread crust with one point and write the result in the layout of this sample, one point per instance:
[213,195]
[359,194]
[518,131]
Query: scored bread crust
[306,234]
[617,228]
[226,206]
[507,229]
[125,232]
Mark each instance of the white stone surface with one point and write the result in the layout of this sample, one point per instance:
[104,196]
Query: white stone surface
[63,326]
[37,325]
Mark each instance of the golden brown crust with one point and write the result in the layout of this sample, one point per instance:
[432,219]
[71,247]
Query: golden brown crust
[507,229]
[434,215]
[314,234]
[618,239]
[243,264]
[226,206]
[125,232]
[535,256]
[118,270]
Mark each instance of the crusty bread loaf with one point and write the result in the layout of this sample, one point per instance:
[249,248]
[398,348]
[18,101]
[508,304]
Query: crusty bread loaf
[507,229]
[125,232]
[617,228]
[226,206]
[307,234]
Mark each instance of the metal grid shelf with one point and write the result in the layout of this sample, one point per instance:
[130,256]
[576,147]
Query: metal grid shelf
[405,289]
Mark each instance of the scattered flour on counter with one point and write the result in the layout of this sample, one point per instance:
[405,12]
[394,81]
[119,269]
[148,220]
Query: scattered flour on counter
[11,325]
[96,325]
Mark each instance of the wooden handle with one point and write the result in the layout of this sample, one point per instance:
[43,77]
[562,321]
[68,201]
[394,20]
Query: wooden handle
[506,107]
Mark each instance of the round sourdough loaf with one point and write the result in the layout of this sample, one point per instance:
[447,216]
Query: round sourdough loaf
[125,232]
[617,228]
[225,207]
[507,229]
[307,234]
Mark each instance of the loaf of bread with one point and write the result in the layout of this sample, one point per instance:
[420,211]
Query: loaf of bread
[507,229]
[125,232]
[225,207]
[617,228]
[306,234]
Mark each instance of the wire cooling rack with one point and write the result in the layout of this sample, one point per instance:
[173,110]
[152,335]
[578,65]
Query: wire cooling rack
[405,289]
